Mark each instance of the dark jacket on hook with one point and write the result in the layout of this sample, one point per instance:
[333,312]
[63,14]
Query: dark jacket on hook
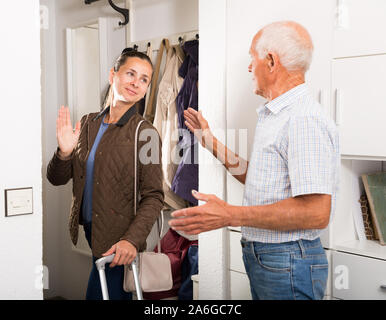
[186,177]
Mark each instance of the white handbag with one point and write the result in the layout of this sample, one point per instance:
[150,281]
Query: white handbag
[154,268]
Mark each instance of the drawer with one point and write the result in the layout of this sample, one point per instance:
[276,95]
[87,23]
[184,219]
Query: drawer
[358,277]
[236,256]
[239,286]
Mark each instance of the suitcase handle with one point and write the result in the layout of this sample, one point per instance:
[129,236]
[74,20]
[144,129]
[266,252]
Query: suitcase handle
[100,264]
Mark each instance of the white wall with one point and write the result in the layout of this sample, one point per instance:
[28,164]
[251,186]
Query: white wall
[213,245]
[69,270]
[20,145]
[158,18]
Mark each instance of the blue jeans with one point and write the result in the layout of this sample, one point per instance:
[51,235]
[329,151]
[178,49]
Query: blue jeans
[295,270]
[114,278]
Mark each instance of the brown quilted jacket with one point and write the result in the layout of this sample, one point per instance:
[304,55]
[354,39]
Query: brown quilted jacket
[112,205]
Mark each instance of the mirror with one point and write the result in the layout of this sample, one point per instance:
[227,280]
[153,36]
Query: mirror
[83,70]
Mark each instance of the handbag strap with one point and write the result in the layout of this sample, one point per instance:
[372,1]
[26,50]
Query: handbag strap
[135,187]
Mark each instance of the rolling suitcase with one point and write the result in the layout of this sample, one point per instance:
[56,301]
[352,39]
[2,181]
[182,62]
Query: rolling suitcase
[100,264]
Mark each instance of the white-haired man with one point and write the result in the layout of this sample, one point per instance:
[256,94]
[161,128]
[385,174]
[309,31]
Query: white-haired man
[291,178]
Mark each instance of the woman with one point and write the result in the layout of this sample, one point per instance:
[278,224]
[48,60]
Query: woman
[99,156]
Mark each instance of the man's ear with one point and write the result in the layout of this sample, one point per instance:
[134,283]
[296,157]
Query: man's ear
[272,60]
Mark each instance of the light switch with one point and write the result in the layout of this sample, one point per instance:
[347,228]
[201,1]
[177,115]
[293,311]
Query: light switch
[18,202]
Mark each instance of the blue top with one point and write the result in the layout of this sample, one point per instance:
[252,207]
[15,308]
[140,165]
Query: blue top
[88,188]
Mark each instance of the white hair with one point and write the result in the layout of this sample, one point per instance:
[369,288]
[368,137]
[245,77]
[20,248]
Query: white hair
[295,52]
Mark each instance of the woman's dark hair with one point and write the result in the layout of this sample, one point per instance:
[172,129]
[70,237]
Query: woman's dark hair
[130,53]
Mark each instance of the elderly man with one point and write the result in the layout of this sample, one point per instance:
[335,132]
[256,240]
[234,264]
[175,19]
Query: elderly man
[290,180]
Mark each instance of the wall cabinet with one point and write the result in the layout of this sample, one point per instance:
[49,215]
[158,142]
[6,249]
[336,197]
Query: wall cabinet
[359,28]
[239,284]
[360,104]
[235,253]
[358,74]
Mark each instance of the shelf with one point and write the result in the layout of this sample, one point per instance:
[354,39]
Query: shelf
[354,157]
[366,248]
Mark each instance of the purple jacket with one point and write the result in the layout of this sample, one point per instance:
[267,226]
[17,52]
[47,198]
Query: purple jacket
[186,177]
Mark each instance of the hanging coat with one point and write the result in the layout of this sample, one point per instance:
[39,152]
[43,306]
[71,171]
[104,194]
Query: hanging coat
[166,122]
[186,177]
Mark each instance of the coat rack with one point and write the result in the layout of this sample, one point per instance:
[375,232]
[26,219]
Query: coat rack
[174,39]
[123,11]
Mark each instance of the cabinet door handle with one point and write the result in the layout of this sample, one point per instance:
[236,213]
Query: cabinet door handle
[338,106]
[383,286]
[321,97]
